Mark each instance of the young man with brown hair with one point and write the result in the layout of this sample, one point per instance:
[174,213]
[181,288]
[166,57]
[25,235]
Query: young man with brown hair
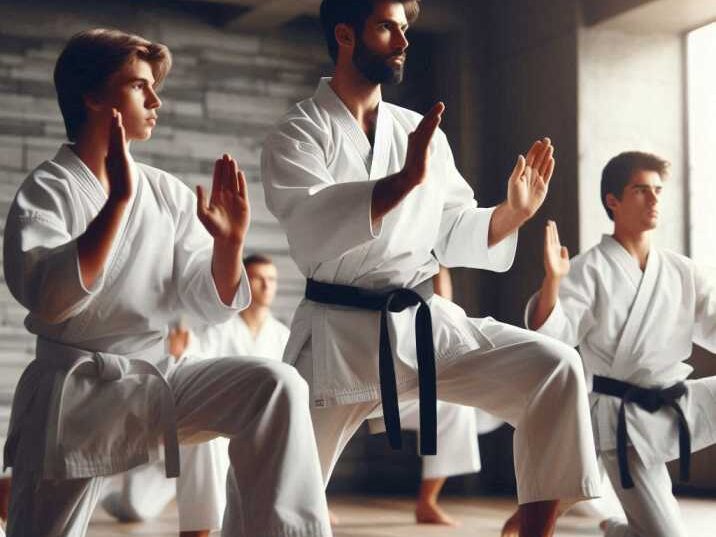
[103,251]
[366,191]
[634,311]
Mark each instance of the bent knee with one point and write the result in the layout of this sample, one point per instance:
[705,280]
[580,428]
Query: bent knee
[559,358]
[286,379]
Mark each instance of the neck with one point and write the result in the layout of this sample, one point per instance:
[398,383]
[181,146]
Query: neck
[359,95]
[637,243]
[91,148]
[254,317]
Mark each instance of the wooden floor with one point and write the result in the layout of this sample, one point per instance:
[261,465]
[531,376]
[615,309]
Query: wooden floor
[393,517]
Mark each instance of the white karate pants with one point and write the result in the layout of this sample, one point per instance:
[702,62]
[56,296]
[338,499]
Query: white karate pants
[651,508]
[531,381]
[200,489]
[457,437]
[262,407]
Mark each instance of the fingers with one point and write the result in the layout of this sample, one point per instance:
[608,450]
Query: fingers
[201,206]
[519,168]
[533,153]
[425,130]
[541,154]
[243,187]
[547,175]
[116,132]
[556,232]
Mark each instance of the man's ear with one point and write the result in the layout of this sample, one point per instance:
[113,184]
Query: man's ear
[612,201]
[345,35]
[92,102]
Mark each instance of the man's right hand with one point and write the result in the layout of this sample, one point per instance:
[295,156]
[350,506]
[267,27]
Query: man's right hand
[417,158]
[119,168]
[390,191]
[556,256]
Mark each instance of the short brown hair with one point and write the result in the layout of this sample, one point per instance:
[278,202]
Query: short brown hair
[619,170]
[257,259]
[90,58]
[354,13]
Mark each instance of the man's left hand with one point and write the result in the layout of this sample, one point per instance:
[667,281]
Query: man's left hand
[227,214]
[528,184]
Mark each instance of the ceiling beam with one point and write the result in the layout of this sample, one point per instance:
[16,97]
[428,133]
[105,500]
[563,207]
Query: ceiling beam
[271,14]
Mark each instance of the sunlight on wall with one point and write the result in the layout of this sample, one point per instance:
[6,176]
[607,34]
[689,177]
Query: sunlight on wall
[701,46]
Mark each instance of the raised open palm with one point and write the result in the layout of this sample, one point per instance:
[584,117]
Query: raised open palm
[556,256]
[528,184]
[227,214]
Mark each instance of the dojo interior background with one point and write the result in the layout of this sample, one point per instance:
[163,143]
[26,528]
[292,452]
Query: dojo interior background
[597,76]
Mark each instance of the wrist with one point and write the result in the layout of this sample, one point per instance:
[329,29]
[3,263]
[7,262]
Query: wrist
[228,247]
[551,282]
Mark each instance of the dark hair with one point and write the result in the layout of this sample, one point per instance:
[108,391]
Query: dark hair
[354,13]
[257,259]
[619,170]
[90,58]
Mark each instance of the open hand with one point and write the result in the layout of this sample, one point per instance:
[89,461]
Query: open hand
[556,256]
[528,184]
[119,169]
[227,214]
[418,155]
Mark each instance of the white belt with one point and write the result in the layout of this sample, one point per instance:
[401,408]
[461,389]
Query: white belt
[107,367]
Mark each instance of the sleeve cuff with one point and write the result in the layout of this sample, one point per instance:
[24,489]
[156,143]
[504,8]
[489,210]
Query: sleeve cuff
[242,298]
[554,325]
[98,284]
[501,255]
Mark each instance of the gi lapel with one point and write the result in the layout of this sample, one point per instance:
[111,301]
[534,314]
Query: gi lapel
[638,312]
[329,101]
[382,143]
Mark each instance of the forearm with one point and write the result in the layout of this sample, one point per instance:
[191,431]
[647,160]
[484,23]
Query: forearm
[94,245]
[226,268]
[387,194]
[504,222]
[546,301]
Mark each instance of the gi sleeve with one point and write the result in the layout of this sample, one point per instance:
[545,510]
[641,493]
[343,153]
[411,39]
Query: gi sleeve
[573,314]
[464,227]
[322,219]
[192,275]
[40,256]
[705,314]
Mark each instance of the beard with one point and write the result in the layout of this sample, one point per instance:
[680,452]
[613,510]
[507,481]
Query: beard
[374,67]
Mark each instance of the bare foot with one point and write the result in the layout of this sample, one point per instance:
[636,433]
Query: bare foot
[512,526]
[431,513]
[333,518]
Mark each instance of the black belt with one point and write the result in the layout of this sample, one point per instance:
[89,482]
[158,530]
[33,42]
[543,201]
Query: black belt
[651,400]
[395,300]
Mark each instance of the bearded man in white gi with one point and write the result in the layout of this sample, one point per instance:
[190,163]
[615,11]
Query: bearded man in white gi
[365,191]
[103,251]
[634,311]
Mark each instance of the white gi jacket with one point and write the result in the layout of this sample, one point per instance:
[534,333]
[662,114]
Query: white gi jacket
[639,327]
[109,418]
[318,171]
[233,338]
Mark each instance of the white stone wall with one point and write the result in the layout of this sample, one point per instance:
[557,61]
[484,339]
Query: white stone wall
[631,97]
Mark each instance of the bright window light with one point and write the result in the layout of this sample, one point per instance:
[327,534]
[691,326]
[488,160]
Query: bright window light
[701,47]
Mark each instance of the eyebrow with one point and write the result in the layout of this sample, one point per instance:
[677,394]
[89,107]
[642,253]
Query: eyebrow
[141,79]
[393,21]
